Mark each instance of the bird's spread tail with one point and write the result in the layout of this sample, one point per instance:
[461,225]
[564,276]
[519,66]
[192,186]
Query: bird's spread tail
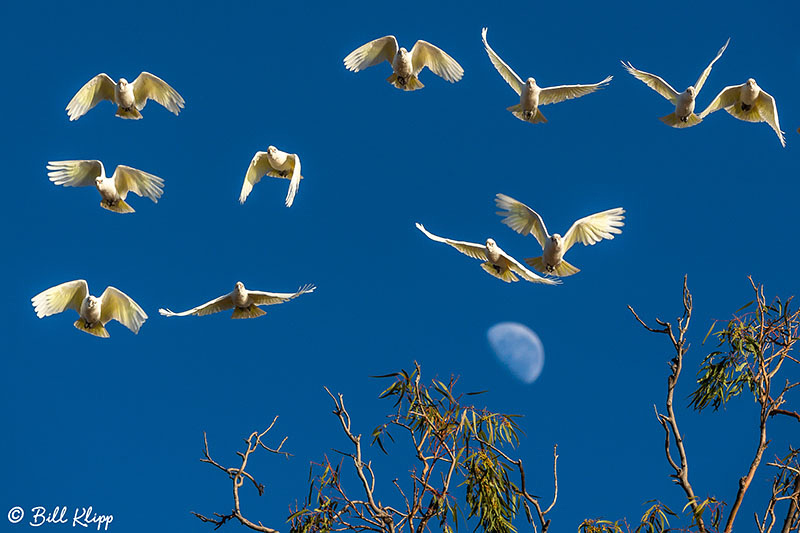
[504,274]
[411,84]
[673,120]
[518,112]
[751,115]
[563,269]
[131,113]
[248,312]
[121,206]
[97,330]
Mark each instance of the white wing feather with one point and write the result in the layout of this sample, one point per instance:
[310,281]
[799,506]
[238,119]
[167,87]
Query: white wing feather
[594,228]
[476,251]
[769,112]
[372,53]
[147,86]
[69,295]
[116,305]
[559,93]
[99,88]
[702,79]
[424,54]
[726,98]
[656,83]
[294,184]
[502,67]
[79,173]
[270,298]
[522,218]
[223,303]
[138,182]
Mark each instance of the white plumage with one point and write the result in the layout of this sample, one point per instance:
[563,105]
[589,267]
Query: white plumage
[245,303]
[276,164]
[130,98]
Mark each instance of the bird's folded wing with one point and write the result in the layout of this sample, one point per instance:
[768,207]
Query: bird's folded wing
[147,85]
[80,173]
[295,183]
[222,303]
[656,83]
[554,95]
[769,112]
[138,182]
[594,228]
[116,305]
[502,67]
[520,269]
[476,251]
[424,54]
[99,88]
[270,298]
[69,295]
[522,218]
[702,79]
[726,98]
[372,53]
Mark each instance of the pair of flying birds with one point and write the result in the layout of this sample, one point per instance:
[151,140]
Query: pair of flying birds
[130,99]
[524,220]
[746,102]
[94,313]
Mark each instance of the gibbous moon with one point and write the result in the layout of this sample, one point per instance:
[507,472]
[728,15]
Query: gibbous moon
[518,348]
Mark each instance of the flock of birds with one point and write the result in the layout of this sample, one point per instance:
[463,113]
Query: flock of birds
[747,102]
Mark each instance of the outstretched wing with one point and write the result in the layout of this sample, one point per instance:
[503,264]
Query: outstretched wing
[656,83]
[69,295]
[79,173]
[138,182]
[116,305]
[522,218]
[147,86]
[502,67]
[476,251]
[554,95]
[223,303]
[424,54]
[372,53]
[726,98]
[526,274]
[99,88]
[295,183]
[594,228]
[769,112]
[259,167]
[702,79]
[270,298]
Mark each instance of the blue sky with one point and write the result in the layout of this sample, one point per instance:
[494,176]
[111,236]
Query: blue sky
[118,423]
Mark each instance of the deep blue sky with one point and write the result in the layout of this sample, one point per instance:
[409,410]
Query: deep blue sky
[118,423]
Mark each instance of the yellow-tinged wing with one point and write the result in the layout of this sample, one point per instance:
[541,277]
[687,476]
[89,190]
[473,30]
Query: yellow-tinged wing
[424,54]
[138,182]
[522,218]
[259,167]
[502,67]
[116,305]
[99,88]
[223,303]
[726,98]
[78,173]
[594,228]
[656,83]
[526,274]
[270,298]
[769,112]
[147,86]
[372,53]
[69,295]
[295,183]
[476,251]
[702,79]
[554,95]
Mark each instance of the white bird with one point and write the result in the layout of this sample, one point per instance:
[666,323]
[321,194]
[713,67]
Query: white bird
[243,302]
[531,96]
[495,261]
[130,98]
[748,102]
[94,313]
[113,190]
[406,65]
[683,116]
[276,164]
[588,230]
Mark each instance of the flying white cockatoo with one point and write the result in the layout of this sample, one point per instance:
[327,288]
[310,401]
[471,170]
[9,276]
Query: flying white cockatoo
[243,302]
[276,164]
[495,261]
[113,190]
[588,230]
[406,65]
[748,102]
[683,116]
[130,98]
[531,96]
[94,312]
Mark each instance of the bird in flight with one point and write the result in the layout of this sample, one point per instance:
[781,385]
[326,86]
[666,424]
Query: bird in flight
[587,230]
[531,96]
[406,65]
[130,98]
[276,164]
[245,303]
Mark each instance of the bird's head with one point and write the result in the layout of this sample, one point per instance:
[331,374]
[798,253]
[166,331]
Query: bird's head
[97,181]
[490,244]
[751,82]
[530,83]
[239,286]
[555,238]
[92,302]
[272,150]
[402,51]
[123,83]
[690,91]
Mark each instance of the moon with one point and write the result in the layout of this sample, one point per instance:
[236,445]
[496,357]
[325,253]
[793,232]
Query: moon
[518,348]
